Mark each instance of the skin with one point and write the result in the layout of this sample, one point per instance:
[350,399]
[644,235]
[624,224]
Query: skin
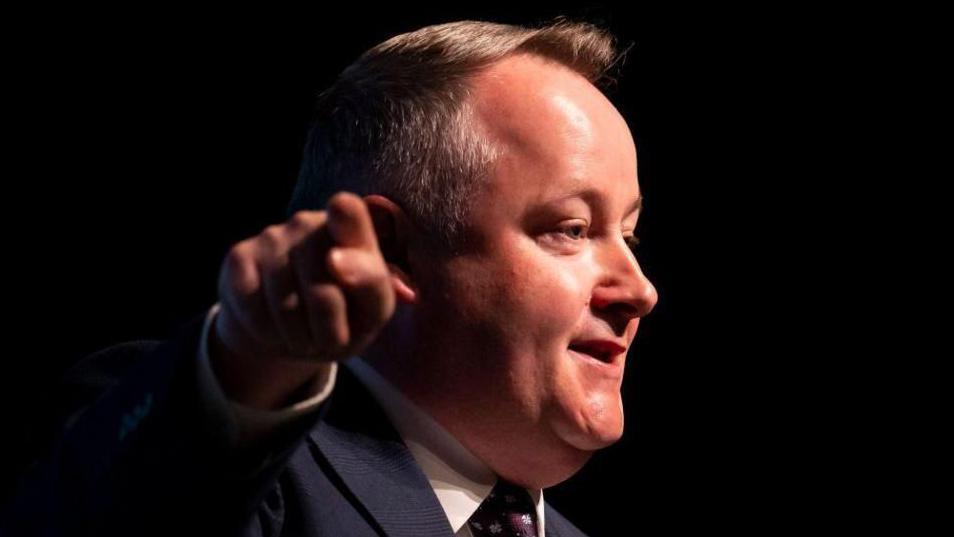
[547,265]
[516,343]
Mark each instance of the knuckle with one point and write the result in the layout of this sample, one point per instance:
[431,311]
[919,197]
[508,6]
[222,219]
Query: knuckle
[239,273]
[303,220]
[272,236]
[237,255]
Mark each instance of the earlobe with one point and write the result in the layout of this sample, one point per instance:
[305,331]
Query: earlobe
[393,230]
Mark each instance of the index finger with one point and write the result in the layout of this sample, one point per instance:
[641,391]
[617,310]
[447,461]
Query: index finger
[349,222]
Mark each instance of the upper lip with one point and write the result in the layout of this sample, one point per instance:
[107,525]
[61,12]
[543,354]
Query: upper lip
[603,349]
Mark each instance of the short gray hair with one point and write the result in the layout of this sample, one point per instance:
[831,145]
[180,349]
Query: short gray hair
[397,122]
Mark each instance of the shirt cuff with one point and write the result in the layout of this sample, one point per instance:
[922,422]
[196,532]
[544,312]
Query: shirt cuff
[251,424]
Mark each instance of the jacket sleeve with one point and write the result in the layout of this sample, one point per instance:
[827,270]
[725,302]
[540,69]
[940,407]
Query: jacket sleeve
[141,453]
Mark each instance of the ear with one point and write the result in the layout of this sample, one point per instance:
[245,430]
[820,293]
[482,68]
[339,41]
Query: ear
[394,231]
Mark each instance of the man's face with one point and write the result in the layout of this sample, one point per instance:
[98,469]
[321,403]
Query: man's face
[538,311]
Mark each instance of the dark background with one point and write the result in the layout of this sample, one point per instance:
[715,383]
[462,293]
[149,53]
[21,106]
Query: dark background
[150,141]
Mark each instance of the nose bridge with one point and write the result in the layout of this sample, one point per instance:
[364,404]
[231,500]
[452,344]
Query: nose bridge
[624,281]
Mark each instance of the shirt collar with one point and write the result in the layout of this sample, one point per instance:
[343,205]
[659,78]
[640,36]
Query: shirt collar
[460,480]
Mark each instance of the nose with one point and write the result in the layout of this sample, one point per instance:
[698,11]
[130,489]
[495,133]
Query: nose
[622,288]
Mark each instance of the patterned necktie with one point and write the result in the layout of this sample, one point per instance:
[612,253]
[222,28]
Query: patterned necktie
[507,512]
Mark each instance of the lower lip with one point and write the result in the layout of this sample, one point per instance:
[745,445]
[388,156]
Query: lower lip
[612,367]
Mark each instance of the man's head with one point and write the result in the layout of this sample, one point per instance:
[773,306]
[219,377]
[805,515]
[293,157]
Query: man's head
[399,120]
[515,337]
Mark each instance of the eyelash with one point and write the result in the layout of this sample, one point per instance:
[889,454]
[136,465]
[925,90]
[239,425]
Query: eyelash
[632,241]
[582,229]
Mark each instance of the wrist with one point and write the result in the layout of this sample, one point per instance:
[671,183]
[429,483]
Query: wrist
[260,382]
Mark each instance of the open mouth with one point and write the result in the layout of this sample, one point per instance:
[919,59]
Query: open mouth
[602,351]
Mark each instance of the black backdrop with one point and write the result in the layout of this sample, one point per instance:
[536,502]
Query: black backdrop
[151,140]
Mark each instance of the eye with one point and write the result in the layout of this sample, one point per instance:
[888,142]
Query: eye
[575,231]
[632,242]
[567,237]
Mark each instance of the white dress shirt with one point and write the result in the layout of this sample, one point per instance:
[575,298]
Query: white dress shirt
[460,480]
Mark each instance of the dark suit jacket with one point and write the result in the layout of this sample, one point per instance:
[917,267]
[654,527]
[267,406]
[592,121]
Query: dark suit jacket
[140,457]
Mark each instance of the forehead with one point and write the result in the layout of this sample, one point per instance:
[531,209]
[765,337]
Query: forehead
[555,131]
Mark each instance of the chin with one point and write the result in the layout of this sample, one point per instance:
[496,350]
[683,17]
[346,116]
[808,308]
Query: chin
[593,440]
[597,426]
[569,448]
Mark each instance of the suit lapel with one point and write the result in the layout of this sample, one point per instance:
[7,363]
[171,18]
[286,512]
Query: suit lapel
[362,447]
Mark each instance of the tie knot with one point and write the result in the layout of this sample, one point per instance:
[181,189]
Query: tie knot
[507,512]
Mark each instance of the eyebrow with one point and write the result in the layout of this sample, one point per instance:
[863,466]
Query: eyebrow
[591,196]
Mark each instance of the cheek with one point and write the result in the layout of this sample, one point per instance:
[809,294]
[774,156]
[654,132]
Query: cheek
[548,294]
[527,296]
[546,306]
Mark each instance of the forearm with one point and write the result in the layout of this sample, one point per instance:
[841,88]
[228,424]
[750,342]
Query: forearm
[149,447]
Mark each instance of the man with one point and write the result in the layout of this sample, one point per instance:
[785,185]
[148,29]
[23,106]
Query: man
[424,356]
